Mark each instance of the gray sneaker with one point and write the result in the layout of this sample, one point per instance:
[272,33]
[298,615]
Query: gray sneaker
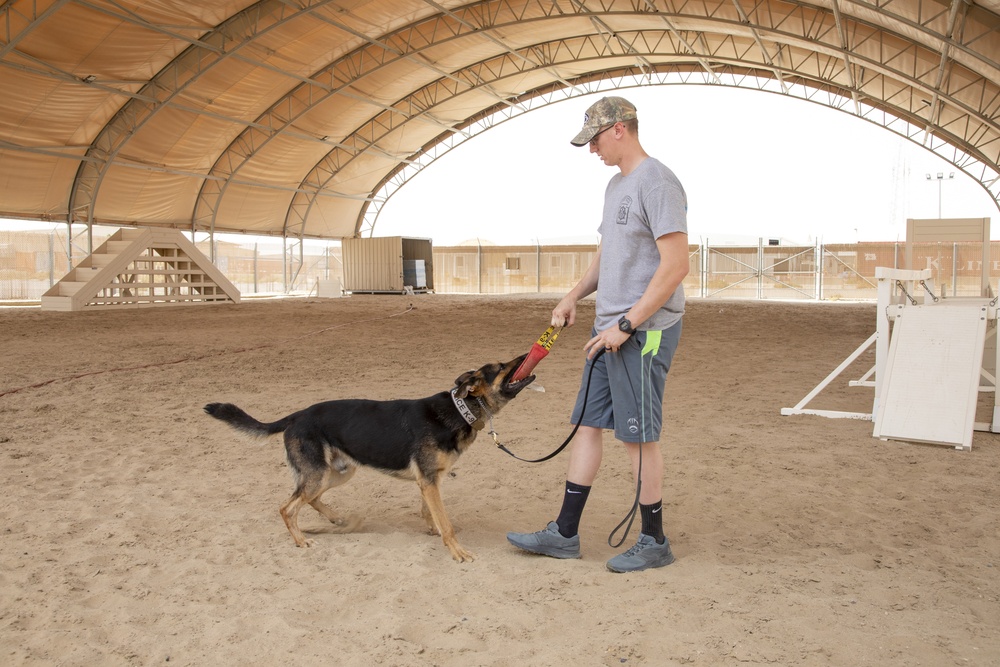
[548,542]
[645,554]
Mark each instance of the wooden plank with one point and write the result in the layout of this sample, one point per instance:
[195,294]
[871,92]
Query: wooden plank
[931,386]
[59,303]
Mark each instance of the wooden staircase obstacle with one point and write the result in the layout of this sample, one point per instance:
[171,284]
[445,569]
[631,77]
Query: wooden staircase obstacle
[138,268]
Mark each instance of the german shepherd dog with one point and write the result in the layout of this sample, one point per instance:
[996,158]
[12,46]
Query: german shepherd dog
[418,439]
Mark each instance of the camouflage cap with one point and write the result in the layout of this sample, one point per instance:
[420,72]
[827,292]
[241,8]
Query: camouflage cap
[602,113]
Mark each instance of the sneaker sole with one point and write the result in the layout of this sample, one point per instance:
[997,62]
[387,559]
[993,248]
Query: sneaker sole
[543,551]
[648,566]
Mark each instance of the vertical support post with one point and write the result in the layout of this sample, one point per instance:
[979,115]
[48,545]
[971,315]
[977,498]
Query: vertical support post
[69,242]
[52,258]
[256,288]
[954,270]
[884,289]
[284,263]
[819,270]
[760,268]
[538,267]
[995,423]
[703,265]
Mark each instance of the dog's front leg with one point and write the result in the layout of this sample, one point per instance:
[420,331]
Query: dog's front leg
[425,513]
[431,495]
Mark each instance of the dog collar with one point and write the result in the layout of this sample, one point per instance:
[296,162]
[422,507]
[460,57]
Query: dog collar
[463,408]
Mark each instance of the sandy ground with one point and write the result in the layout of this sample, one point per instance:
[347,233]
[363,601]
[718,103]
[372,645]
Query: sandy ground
[138,531]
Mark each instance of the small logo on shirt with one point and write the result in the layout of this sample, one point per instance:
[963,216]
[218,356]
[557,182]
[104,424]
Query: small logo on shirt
[623,207]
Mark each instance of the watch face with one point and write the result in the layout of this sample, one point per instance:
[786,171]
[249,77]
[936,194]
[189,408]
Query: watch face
[624,325]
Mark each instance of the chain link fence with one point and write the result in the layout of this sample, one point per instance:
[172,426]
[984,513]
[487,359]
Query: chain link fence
[32,261]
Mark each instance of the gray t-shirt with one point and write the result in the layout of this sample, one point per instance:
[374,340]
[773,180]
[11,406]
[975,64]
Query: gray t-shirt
[638,209]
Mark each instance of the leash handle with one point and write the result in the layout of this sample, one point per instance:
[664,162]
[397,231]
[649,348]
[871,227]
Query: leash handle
[549,337]
[630,517]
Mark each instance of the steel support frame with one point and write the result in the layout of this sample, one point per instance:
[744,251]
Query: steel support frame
[815,48]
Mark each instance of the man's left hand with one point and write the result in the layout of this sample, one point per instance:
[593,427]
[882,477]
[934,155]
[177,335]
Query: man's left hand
[610,339]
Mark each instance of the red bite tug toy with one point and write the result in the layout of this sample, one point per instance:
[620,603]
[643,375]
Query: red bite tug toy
[537,352]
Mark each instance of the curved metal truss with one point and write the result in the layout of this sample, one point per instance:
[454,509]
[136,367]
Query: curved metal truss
[987,175]
[924,70]
[953,122]
[165,89]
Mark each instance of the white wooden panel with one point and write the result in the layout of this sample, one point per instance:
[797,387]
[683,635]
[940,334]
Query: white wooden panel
[931,386]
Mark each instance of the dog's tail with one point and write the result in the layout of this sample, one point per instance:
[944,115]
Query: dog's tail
[243,422]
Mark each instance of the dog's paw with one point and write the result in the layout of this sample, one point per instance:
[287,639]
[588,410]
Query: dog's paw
[458,552]
[349,524]
[461,555]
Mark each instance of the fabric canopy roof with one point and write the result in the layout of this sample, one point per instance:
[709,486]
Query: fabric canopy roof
[300,117]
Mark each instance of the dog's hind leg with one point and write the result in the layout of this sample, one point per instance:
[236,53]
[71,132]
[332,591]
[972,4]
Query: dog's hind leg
[290,515]
[342,524]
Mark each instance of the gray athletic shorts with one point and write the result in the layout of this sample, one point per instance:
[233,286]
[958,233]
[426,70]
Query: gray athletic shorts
[626,389]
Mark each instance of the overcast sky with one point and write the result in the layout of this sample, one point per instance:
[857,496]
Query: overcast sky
[753,164]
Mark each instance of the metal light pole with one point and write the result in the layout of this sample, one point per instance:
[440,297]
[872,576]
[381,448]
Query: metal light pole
[940,180]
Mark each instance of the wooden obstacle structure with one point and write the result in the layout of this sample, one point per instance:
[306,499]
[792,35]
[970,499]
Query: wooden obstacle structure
[932,359]
[141,268]
[932,376]
[933,356]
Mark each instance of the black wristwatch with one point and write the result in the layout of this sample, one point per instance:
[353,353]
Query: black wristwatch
[625,326]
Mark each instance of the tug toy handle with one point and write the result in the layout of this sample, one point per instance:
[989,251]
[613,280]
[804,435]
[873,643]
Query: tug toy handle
[537,352]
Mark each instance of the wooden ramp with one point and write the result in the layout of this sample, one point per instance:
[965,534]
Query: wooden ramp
[142,268]
[931,387]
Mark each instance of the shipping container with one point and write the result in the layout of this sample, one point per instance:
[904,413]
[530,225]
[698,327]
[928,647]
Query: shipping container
[383,264]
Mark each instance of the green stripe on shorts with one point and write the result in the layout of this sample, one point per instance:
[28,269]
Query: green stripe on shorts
[652,345]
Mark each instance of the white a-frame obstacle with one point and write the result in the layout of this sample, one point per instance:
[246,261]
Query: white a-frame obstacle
[142,268]
[932,360]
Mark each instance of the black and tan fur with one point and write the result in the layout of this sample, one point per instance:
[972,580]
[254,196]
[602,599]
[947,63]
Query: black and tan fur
[418,439]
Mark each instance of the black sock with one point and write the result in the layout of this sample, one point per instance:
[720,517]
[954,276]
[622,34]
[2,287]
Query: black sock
[572,509]
[652,520]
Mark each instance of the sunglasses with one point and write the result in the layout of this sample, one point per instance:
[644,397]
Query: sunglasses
[593,139]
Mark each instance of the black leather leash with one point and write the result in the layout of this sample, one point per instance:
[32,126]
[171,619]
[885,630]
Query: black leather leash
[576,426]
[630,517]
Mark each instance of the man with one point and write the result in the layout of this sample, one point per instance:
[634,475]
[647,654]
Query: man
[637,273]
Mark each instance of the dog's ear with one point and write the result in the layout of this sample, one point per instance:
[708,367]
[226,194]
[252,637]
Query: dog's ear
[466,382]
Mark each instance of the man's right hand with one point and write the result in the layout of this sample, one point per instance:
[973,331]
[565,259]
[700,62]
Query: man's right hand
[564,314]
